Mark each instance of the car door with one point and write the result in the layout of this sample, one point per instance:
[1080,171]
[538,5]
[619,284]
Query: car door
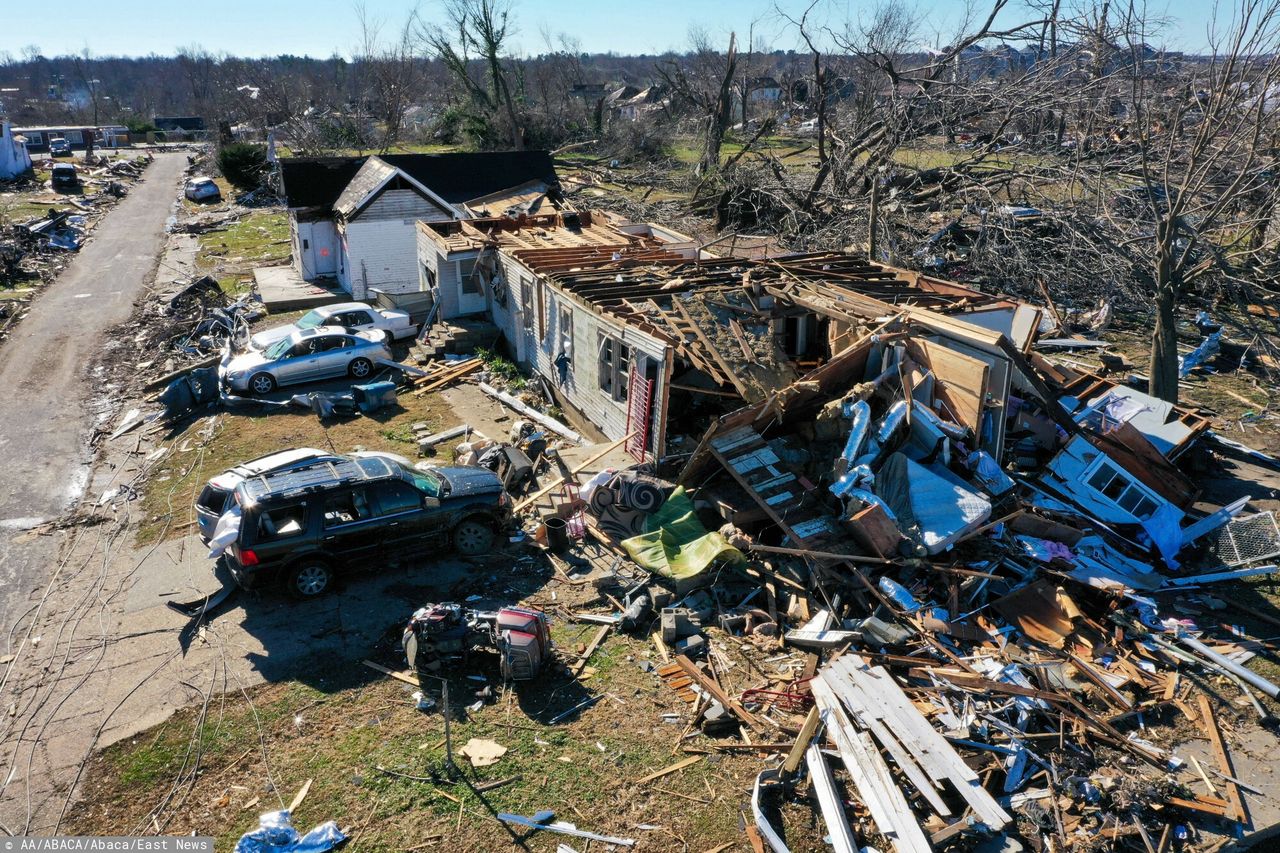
[335,353]
[300,364]
[350,528]
[413,520]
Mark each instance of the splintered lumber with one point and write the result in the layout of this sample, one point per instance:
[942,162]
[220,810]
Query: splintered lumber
[441,437]
[870,774]
[1210,723]
[565,829]
[872,694]
[824,785]
[438,376]
[531,413]
[667,771]
[716,693]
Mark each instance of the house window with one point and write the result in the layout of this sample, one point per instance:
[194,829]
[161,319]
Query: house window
[614,363]
[35,138]
[428,278]
[75,137]
[526,305]
[1116,487]
[565,327]
[466,275]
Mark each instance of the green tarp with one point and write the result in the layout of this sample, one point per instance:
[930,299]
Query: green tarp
[677,546]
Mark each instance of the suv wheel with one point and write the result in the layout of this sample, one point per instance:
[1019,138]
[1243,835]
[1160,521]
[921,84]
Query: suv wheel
[310,579]
[473,537]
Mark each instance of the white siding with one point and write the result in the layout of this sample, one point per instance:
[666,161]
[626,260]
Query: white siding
[381,254]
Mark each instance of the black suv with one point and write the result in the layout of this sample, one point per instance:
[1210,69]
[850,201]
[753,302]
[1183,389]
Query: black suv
[304,526]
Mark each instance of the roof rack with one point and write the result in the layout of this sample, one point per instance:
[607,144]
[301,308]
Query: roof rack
[316,477]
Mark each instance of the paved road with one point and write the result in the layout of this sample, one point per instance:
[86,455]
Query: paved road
[47,404]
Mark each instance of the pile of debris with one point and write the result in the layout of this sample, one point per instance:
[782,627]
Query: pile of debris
[966,578]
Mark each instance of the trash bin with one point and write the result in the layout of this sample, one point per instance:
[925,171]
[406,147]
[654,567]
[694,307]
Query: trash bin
[557,534]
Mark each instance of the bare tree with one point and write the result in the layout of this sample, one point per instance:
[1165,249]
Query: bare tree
[1194,162]
[478,35]
[705,82]
[389,74]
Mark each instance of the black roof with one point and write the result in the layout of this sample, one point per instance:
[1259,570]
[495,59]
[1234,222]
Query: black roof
[458,177]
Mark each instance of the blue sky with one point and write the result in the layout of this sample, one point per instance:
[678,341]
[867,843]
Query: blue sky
[323,27]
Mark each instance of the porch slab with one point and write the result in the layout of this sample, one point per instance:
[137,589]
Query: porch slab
[282,289]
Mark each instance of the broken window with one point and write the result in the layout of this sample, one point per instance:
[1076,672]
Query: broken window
[526,305]
[614,363]
[346,508]
[565,326]
[466,275]
[281,522]
[1112,484]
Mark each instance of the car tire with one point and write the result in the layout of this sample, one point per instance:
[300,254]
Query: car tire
[388,338]
[360,368]
[473,536]
[262,383]
[309,579]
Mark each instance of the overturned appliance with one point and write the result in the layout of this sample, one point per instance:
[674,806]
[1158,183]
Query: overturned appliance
[444,634]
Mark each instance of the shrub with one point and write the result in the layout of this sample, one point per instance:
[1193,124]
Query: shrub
[243,164]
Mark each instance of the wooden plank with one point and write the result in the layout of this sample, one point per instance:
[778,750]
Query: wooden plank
[667,771]
[823,784]
[1210,724]
[576,668]
[796,755]
[399,676]
[875,784]
[876,687]
[717,693]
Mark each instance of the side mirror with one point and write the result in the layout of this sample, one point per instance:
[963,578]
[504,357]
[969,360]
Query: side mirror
[429,502]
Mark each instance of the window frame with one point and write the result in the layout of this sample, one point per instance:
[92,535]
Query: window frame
[468,285]
[1132,487]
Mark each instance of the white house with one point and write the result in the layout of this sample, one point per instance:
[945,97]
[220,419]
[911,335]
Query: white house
[352,218]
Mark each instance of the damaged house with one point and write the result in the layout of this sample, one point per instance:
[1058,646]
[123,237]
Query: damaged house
[352,218]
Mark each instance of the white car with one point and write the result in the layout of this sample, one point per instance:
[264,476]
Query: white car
[352,316]
[306,356]
[202,189]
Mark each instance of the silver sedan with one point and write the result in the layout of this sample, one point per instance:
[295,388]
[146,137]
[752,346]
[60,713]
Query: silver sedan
[305,356]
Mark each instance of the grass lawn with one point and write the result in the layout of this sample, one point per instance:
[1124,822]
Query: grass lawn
[585,769]
[260,238]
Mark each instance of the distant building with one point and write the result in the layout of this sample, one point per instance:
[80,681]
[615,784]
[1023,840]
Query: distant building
[180,127]
[764,90]
[37,138]
[588,91]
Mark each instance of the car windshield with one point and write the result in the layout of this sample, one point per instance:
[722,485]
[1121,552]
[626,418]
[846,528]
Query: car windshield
[310,320]
[428,484]
[279,349]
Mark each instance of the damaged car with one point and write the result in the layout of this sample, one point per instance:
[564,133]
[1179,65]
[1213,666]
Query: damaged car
[212,502]
[305,356]
[303,526]
[351,316]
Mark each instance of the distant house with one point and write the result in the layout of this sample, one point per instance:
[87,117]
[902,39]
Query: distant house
[764,90]
[588,91]
[14,159]
[37,138]
[353,218]
[180,127]
[632,107]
